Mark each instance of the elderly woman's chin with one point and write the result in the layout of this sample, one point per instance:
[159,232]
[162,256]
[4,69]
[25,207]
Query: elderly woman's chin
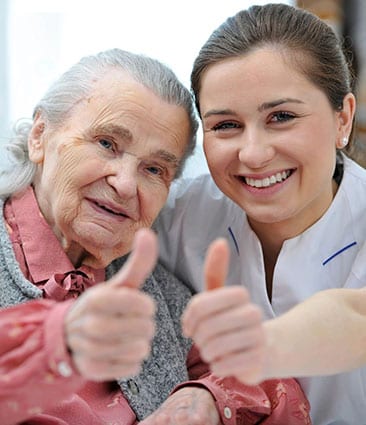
[99,246]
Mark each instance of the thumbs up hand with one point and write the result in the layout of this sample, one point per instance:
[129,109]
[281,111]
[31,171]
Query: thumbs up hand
[110,327]
[225,326]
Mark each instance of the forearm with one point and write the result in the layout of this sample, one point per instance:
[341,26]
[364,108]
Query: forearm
[237,402]
[324,335]
[35,369]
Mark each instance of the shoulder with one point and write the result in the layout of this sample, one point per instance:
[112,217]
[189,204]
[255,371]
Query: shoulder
[352,207]
[353,186]
[191,198]
[353,171]
[14,287]
[187,189]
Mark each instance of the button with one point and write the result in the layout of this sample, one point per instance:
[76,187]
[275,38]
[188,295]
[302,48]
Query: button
[64,369]
[132,386]
[227,412]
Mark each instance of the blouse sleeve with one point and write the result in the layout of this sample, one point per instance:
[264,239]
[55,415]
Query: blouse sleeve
[273,402]
[36,369]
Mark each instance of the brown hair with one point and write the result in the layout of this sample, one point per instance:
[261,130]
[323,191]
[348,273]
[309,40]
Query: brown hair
[315,48]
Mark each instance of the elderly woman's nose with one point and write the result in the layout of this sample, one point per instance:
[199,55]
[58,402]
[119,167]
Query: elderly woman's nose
[124,179]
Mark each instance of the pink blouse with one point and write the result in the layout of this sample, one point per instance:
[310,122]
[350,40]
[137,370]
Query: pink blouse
[37,378]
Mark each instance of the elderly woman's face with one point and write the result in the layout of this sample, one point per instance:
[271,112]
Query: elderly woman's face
[107,171]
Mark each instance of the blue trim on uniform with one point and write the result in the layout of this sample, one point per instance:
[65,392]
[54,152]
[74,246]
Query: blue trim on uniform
[233,238]
[338,252]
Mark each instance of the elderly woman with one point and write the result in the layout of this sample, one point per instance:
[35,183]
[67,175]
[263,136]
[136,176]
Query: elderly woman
[77,183]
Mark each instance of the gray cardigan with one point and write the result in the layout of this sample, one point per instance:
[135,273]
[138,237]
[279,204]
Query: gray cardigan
[166,366]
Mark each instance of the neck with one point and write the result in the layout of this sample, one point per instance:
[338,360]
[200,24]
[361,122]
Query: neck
[272,235]
[75,253]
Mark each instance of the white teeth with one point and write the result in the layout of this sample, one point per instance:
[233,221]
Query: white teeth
[267,181]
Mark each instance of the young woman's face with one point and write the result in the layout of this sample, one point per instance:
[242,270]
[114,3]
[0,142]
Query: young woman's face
[270,138]
[107,171]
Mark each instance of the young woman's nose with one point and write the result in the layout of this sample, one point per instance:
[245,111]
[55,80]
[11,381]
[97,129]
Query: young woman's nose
[255,150]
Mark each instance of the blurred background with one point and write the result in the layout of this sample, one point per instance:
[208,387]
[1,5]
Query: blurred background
[40,39]
[348,19]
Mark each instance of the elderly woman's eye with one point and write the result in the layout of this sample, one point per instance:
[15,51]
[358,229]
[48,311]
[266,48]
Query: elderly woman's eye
[107,144]
[157,171]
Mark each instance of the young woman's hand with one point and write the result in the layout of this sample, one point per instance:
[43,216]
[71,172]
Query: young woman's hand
[226,327]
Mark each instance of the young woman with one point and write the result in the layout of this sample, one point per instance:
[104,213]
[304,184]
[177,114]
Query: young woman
[274,93]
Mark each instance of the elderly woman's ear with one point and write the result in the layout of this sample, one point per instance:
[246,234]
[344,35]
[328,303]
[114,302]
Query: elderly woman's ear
[36,140]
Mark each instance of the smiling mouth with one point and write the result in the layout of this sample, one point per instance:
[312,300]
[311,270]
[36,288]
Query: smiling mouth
[103,207]
[269,181]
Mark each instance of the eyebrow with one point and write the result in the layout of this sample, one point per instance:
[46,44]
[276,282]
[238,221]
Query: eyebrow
[115,130]
[261,108]
[218,112]
[167,157]
[126,135]
[272,104]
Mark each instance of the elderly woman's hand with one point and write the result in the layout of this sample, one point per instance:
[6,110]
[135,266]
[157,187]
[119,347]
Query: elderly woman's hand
[110,327]
[226,327]
[189,405]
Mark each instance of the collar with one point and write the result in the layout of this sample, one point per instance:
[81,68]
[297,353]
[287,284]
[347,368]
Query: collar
[42,251]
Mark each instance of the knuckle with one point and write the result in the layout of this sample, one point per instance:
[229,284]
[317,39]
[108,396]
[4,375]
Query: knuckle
[144,348]
[132,369]
[85,366]
[256,312]
[200,334]
[86,346]
[206,354]
[194,306]
[93,326]
[151,329]
[239,293]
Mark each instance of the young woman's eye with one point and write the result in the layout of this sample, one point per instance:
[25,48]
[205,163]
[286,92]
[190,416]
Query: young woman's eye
[106,144]
[282,117]
[227,125]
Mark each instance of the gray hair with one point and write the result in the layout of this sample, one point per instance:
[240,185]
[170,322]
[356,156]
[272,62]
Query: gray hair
[76,84]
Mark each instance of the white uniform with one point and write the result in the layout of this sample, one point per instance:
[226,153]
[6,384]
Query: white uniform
[330,254]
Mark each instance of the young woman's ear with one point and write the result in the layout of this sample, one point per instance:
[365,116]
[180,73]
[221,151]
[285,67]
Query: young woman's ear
[346,120]
[36,140]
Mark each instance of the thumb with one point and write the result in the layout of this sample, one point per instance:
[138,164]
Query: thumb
[216,264]
[140,262]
